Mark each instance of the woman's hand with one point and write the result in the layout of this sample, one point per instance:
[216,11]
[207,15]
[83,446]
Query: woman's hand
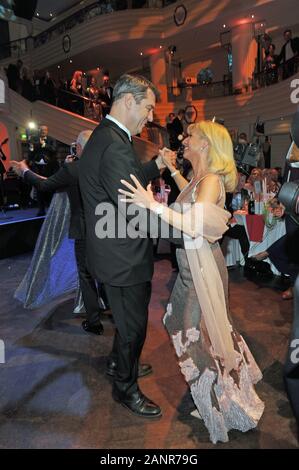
[138,195]
[169,158]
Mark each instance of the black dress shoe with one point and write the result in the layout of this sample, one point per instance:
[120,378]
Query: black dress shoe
[143,369]
[97,329]
[139,405]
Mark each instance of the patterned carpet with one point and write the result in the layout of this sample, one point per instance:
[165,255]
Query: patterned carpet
[54,392]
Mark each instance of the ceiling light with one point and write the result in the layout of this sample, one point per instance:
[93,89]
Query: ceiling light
[252,16]
[71,61]
[37,14]
[141,53]
[161,47]
[58,66]
[224,25]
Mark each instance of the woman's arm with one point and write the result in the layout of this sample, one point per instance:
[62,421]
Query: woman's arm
[73,87]
[180,181]
[168,159]
[190,222]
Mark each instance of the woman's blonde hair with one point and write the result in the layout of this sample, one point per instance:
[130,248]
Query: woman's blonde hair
[221,156]
[77,74]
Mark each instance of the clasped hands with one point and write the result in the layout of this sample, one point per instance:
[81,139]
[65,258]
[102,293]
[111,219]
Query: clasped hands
[144,197]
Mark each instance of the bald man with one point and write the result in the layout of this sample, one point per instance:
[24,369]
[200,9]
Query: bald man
[66,179]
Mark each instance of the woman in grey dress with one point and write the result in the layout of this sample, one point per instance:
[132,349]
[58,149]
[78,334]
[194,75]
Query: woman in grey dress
[213,357]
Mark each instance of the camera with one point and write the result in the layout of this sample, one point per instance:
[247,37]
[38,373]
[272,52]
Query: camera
[288,194]
[73,149]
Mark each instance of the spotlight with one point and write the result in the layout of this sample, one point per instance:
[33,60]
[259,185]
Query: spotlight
[31,125]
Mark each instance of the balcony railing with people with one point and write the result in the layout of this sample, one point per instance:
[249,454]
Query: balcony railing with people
[270,76]
[96,109]
[200,91]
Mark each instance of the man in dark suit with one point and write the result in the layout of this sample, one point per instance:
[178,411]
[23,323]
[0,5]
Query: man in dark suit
[67,179]
[177,129]
[106,94]
[289,53]
[42,160]
[123,263]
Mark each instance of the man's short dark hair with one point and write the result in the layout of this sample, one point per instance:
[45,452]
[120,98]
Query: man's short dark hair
[137,85]
[287,31]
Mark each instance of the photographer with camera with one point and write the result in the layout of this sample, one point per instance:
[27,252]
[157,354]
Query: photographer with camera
[66,179]
[42,160]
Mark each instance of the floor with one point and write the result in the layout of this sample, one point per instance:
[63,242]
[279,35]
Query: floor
[54,392]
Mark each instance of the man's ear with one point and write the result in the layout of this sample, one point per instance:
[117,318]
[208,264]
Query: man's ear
[129,100]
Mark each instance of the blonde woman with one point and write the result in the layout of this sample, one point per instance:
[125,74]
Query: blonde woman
[76,87]
[213,357]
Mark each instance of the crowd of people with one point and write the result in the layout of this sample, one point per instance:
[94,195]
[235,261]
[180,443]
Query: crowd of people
[82,94]
[200,168]
[287,59]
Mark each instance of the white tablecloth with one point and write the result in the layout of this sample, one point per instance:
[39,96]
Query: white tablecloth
[232,251]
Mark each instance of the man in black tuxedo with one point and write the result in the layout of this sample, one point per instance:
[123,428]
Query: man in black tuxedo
[289,53]
[177,129]
[67,179]
[42,160]
[106,95]
[125,265]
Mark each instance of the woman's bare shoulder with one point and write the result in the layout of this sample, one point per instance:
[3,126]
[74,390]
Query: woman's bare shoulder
[209,188]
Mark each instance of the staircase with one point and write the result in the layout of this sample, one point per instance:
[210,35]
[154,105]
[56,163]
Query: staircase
[63,125]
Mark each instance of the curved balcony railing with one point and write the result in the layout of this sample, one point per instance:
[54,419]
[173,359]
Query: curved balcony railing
[14,49]
[201,91]
[95,9]
[19,47]
[283,71]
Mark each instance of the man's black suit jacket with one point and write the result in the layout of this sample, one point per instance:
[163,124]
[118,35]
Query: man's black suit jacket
[107,158]
[65,179]
[294,47]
